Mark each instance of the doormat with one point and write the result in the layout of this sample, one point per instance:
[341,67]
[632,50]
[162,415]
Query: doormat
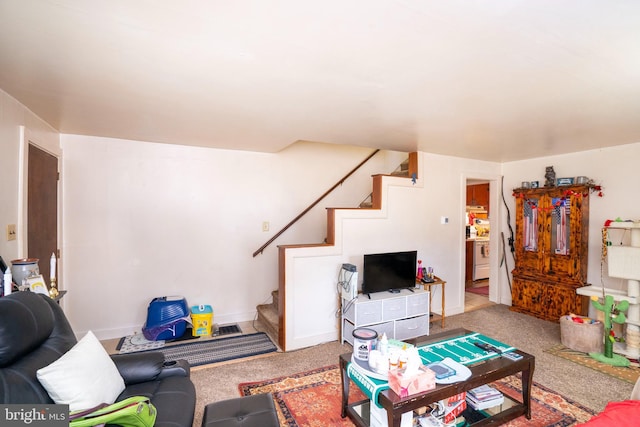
[481,290]
[137,342]
[629,374]
[219,349]
[314,398]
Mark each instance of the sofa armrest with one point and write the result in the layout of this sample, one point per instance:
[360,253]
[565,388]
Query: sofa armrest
[175,368]
[139,367]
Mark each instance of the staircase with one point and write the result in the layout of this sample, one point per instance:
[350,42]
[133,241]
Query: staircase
[268,317]
[402,170]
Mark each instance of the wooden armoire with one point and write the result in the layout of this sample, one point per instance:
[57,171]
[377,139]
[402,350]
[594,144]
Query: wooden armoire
[551,251]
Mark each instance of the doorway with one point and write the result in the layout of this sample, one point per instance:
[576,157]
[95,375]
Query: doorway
[477,245]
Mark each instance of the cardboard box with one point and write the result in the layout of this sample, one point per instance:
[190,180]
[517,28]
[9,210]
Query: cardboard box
[454,409]
[425,380]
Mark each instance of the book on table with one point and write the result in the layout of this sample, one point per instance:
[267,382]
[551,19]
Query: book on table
[484,397]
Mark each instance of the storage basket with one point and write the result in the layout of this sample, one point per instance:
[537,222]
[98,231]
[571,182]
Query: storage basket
[585,337]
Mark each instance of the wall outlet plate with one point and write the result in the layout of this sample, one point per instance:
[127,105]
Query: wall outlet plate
[11,232]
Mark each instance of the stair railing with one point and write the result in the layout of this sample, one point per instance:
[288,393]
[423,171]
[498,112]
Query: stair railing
[312,205]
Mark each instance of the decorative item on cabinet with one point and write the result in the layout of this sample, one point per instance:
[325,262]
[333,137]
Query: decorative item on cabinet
[552,238]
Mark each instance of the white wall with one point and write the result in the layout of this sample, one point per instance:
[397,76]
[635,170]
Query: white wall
[13,116]
[615,168]
[144,220]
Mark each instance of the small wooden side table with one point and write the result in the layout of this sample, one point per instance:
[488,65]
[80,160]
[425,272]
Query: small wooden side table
[429,285]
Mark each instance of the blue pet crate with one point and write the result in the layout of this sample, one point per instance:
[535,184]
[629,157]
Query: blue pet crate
[166,318]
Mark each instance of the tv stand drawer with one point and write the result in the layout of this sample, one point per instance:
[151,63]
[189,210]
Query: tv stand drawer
[394,308]
[412,327]
[364,313]
[401,315]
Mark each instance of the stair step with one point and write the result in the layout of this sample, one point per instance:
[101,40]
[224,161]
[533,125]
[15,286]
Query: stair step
[269,319]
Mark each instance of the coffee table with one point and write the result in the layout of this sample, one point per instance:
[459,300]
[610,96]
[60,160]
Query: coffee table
[481,373]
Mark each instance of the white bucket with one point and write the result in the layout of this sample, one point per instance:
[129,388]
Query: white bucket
[363,340]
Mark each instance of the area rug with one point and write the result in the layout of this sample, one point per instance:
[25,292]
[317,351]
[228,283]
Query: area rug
[629,374]
[313,399]
[137,342]
[220,349]
[482,290]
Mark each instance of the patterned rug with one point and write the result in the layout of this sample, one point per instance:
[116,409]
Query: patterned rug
[220,349]
[629,374]
[313,399]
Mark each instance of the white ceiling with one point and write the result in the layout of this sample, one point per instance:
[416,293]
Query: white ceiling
[493,80]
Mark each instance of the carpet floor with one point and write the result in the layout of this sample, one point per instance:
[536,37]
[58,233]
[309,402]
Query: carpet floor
[629,374]
[313,398]
[220,350]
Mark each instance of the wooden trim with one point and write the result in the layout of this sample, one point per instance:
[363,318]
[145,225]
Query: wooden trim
[282,326]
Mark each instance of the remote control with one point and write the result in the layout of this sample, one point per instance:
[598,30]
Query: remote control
[512,356]
[487,347]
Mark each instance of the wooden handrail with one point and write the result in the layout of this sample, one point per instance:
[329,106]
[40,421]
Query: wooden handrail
[293,221]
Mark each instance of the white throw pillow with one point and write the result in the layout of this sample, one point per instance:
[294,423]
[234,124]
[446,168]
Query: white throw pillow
[83,377]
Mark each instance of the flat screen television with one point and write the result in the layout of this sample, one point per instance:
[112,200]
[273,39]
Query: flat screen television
[389,272]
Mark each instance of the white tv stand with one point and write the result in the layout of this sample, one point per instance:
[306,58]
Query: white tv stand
[400,315]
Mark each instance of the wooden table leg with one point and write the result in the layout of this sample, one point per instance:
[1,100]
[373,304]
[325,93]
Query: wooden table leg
[527,381]
[345,387]
[442,310]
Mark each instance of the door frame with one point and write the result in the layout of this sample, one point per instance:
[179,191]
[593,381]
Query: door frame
[495,287]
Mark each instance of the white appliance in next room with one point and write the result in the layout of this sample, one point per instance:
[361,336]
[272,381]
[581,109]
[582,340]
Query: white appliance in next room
[481,259]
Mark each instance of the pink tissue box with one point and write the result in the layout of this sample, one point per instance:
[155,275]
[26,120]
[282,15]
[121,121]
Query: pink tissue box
[425,380]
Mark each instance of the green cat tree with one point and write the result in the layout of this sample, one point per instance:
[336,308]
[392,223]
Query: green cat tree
[609,306]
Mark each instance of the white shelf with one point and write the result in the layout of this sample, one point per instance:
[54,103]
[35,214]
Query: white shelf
[596,291]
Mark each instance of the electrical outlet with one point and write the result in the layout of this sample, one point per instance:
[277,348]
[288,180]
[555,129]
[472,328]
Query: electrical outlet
[265,226]
[11,232]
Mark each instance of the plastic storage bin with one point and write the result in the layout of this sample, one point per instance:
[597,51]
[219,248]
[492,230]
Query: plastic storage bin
[202,319]
[166,318]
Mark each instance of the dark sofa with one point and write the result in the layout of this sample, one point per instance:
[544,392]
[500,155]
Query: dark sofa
[34,332]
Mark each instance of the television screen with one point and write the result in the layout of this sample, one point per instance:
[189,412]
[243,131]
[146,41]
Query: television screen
[389,271]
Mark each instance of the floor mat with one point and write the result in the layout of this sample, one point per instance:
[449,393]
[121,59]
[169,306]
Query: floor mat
[629,374]
[220,349]
[482,290]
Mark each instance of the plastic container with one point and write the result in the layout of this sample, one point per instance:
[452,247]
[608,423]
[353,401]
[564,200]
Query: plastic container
[166,318]
[363,340]
[202,318]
